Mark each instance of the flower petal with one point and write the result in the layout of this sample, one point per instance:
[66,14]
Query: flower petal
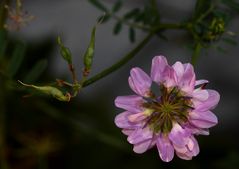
[140,135]
[200,82]
[200,94]
[203,119]
[140,82]
[179,70]
[210,103]
[142,147]
[165,149]
[178,135]
[137,117]
[131,103]
[187,82]
[158,66]
[121,121]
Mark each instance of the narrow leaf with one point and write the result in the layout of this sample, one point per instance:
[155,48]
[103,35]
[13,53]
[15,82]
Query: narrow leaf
[132,34]
[17,59]
[89,54]
[117,6]
[36,71]
[131,13]
[201,7]
[117,28]
[98,5]
[104,18]
[230,41]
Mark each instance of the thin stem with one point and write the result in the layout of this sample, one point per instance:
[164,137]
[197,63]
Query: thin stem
[73,73]
[196,53]
[120,63]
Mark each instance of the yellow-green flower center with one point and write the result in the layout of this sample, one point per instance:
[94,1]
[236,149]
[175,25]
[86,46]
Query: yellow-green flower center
[171,106]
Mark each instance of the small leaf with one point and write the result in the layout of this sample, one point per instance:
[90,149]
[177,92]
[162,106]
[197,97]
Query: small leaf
[99,5]
[17,59]
[104,18]
[231,4]
[132,34]
[65,52]
[36,71]
[230,41]
[131,13]
[117,28]
[89,54]
[49,90]
[117,6]
[201,7]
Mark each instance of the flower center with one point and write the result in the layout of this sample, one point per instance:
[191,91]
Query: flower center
[171,106]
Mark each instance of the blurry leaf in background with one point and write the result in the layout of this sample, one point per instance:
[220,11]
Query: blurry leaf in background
[117,6]
[132,13]
[230,41]
[117,28]
[36,71]
[99,5]
[132,34]
[17,59]
[201,7]
[233,4]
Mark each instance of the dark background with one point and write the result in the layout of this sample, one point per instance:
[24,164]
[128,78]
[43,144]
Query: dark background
[43,132]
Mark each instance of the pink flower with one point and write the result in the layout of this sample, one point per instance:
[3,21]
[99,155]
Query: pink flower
[171,119]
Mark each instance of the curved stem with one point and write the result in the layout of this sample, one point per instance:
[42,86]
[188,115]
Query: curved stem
[120,63]
[196,53]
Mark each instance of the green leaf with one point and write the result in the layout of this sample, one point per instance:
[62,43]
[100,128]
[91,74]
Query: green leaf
[230,41]
[201,7]
[231,4]
[98,5]
[117,28]
[36,71]
[220,49]
[65,52]
[104,18]
[17,59]
[131,13]
[132,34]
[117,6]
[89,54]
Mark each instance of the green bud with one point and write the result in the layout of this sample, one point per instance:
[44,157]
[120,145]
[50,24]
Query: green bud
[49,90]
[65,52]
[89,54]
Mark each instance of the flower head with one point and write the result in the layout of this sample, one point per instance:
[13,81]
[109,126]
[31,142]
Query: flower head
[171,119]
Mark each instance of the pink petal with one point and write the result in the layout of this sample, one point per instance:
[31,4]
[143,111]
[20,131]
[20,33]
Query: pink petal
[169,77]
[131,103]
[179,70]
[127,131]
[140,135]
[200,94]
[210,103]
[178,135]
[200,82]
[165,148]
[184,156]
[187,82]
[203,119]
[137,117]
[142,147]
[140,82]
[158,66]
[121,121]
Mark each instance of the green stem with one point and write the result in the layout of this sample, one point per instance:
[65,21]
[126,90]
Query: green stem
[196,53]
[120,63]
[3,160]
